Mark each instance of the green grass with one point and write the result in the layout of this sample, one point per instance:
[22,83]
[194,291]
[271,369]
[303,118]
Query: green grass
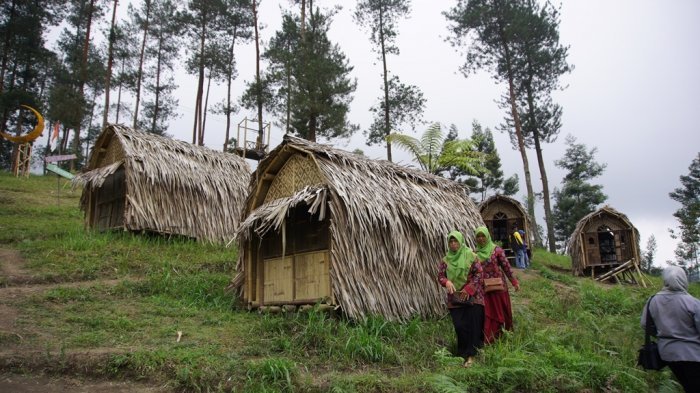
[137,292]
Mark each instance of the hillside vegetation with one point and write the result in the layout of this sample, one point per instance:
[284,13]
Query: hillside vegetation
[132,307]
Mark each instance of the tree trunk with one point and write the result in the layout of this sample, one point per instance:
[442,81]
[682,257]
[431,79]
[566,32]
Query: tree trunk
[119,95]
[140,71]
[229,82]
[312,128]
[156,103]
[257,74]
[520,138]
[110,60]
[83,77]
[303,18]
[543,174]
[204,112]
[387,125]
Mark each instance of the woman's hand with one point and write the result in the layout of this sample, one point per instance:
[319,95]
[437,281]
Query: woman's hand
[450,287]
[517,287]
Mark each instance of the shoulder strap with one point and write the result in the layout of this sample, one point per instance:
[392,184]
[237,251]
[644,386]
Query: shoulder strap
[649,322]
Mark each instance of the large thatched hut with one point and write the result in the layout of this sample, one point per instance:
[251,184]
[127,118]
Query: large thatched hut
[602,241]
[144,182]
[501,214]
[327,226]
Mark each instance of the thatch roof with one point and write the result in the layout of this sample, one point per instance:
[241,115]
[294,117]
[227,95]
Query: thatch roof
[172,187]
[504,198]
[575,247]
[387,226]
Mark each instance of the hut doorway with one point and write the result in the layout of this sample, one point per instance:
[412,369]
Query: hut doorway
[606,245]
[295,264]
[107,202]
[499,231]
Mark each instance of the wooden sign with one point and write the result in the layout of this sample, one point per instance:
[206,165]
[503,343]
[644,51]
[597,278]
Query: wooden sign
[64,157]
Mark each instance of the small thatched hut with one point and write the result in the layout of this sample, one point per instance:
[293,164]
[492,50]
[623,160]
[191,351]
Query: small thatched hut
[145,182]
[327,226]
[501,214]
[603,240]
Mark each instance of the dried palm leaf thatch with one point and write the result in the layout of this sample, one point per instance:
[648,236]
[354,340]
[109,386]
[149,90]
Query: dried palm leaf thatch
[387,226]
[171,187]
[577,247]
[512,208]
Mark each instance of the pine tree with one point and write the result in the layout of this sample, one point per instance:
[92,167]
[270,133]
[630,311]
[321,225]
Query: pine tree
[400,103]
[577,197]
[491,30]
[648,255]
[688,216]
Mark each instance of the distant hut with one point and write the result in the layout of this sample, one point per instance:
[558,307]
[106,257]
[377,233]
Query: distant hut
[603,241]
[144,182]
[327,226]
[501,214]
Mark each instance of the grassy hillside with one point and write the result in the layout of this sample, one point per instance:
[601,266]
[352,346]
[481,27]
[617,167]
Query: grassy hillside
[112,305]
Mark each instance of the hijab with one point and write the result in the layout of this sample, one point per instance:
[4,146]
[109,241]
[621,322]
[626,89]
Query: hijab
[484,252]
[458,262]
[675,281]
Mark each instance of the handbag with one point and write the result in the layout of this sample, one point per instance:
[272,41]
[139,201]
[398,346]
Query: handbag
[493,284]
[462,298]
[649,357]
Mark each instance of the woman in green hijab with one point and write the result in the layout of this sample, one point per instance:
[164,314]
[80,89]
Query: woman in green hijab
[460,273]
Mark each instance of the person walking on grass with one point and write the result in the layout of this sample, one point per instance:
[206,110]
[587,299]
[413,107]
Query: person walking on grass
[460,273]
[676,315]
[497,308]
[518,249]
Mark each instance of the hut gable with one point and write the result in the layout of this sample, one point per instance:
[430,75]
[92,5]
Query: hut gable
[501,213]
[603,240]
[324,225]
[298,172]
[145,182]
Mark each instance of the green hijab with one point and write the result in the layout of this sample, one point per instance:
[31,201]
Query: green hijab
[458,262]
[484,252]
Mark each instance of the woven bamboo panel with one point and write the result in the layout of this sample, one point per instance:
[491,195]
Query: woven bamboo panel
[311,275]
[114,152]
[298,172]
[613,223]
[506,208]
[279,280]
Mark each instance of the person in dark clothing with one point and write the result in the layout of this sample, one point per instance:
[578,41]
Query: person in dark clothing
[460,271]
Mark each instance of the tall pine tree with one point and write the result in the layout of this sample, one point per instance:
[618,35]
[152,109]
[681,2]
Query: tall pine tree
[688,216]
[400,103]
[577,197]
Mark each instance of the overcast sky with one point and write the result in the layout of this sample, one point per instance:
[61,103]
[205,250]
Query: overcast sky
[631,95]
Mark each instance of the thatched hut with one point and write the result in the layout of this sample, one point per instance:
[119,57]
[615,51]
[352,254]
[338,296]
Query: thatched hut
[501,214]
[327,226]
[144,182]
[602,241]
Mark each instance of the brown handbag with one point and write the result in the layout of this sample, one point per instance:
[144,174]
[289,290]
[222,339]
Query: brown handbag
[493,284]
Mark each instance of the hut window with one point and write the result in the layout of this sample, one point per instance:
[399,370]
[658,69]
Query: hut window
[591,241]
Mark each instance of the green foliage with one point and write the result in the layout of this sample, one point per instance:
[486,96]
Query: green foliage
[647,262]
[688,215]
[309,79]
[271,375]
[436,154]
[578,197]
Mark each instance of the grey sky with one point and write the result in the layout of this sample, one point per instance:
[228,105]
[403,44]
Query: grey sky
[631,95]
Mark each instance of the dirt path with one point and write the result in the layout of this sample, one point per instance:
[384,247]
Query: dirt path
[18,283]
[41,384]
